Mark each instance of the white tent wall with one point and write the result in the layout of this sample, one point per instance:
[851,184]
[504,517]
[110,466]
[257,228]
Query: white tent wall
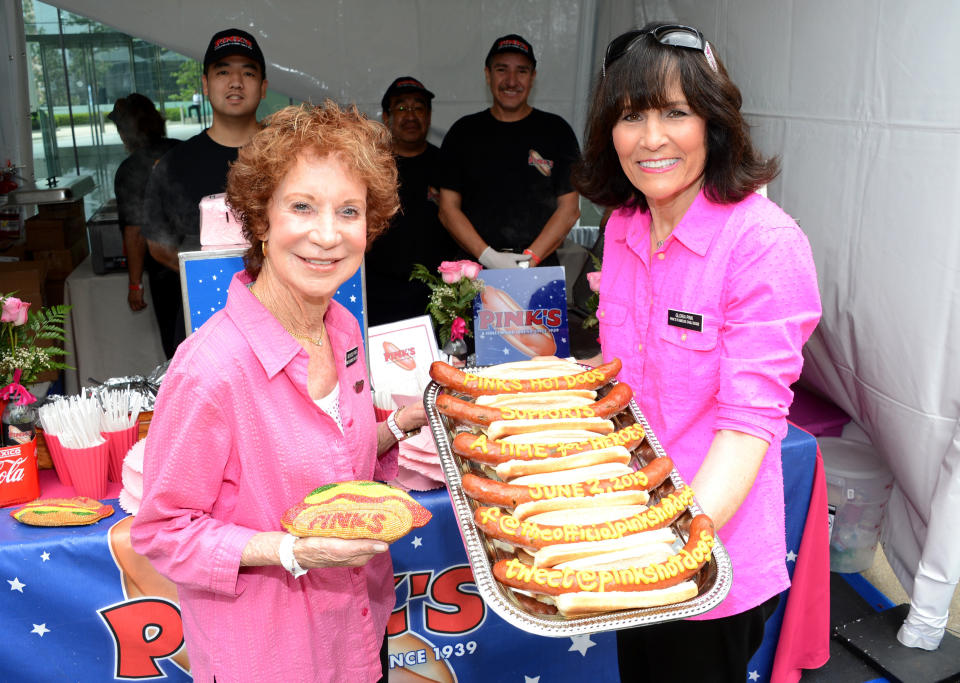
[858,99]
[350,50]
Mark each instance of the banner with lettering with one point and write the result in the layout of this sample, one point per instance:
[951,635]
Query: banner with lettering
[442,630]
[82,607]
[521,313]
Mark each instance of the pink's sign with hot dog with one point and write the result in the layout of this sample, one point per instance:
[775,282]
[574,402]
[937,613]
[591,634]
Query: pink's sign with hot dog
[521,313]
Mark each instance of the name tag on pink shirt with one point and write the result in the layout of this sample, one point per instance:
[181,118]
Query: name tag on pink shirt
[688,321]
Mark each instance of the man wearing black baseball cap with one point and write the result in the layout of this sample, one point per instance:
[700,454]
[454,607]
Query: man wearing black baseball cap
[415,234]
[505,194]
[234,82]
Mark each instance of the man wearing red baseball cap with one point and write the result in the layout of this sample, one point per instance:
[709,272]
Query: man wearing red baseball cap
[505,194]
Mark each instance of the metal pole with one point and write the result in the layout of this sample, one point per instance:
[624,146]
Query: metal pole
[66,81]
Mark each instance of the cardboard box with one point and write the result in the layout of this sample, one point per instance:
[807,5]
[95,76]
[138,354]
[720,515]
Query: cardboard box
[26,278]
[52,233]
[63,211]
[61,262]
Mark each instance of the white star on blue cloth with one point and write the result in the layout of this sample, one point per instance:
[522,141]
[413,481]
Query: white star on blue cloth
[791,556]
[45,556]
[40,629]
[506,351]
[15,585]
[753,676]
[416,542]
[581,644]
[353,299]
[531,679]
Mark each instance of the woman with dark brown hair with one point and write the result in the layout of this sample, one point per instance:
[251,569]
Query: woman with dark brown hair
[707,294]
[269,400]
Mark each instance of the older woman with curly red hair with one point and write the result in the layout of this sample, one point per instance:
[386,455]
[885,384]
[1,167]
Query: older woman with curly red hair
[267,401]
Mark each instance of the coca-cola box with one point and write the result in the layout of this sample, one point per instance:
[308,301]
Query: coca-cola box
[19,481]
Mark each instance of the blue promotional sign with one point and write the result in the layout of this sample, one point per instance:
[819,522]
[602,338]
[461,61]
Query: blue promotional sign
[521,313]
[206,278]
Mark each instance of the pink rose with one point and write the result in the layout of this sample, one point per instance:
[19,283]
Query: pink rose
[14,311]
[458,328]
[470,269]
[452,271]
[449,271]
[594,280]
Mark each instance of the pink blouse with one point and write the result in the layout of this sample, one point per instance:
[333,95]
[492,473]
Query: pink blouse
[235,441]
[710,332]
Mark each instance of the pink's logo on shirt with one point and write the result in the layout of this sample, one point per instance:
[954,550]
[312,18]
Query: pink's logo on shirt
[545,166]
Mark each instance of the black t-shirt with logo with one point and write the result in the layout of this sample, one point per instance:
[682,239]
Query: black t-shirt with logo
[509,174]
[183,176]
[415,235]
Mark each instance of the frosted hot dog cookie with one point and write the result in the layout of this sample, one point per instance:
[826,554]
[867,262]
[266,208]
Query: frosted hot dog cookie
[356,509]
[62,511]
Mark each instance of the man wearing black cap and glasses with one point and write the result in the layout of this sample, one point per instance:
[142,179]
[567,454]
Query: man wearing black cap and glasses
[505,190]
[234,83]
[415,234]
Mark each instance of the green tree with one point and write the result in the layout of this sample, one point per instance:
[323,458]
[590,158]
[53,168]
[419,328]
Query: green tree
[188,79]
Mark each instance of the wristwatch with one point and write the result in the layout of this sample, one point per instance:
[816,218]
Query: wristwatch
[394,428]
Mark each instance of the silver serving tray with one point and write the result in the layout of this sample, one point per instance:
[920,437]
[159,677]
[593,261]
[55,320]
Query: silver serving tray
[714,579]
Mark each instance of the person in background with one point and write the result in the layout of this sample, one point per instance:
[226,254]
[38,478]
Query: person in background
[143,132]
[194,107]
[728,295]
[269,400]
[505,194]
[415,234]
[234,82]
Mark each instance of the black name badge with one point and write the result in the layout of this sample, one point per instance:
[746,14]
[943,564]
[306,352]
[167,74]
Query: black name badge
[352,356]
[689,321]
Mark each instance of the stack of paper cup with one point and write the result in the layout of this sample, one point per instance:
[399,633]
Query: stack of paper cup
[56,455]
[120,442]
[88,468]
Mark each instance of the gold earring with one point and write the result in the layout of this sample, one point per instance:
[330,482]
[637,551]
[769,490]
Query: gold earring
[263,248]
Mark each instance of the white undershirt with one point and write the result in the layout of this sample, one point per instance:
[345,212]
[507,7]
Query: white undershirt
[330,404]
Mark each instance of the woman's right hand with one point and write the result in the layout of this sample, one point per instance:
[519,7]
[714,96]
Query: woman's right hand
[314,551]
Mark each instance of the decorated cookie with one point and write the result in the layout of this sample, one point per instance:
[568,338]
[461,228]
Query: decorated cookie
[356,509]
[62,511]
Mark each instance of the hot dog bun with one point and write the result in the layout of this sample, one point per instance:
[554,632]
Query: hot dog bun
[518,468]
[567,398]
[552,555]
[499,429]
[534,507]
[580,604]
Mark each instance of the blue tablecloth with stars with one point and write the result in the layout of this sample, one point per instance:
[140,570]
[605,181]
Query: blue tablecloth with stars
[67,616]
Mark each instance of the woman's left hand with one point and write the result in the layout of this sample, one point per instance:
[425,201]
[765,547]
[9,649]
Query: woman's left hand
[314,551]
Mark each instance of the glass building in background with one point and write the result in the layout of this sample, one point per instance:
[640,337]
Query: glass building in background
[77,68]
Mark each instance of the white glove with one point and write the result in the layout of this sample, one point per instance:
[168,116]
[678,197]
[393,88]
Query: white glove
[496,260]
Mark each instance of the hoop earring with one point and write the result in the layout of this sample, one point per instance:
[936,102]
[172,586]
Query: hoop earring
[263,248]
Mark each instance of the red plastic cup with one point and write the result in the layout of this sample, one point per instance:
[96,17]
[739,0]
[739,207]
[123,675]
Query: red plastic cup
[120,443]
[88,469]
[56,454]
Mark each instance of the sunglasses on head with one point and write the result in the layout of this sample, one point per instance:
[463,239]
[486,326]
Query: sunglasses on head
[674,35]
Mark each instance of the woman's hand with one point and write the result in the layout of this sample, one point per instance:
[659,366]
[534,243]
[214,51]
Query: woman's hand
[314,551]
[311,553]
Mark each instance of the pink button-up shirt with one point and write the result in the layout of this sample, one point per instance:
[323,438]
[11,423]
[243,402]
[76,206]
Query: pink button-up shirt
[235,441]
[710,331]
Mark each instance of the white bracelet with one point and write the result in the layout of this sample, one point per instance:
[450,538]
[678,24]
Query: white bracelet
[287,558]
